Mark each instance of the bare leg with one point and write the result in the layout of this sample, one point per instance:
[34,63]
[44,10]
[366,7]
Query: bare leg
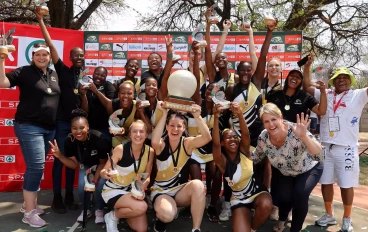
[262,205]
[241,219]
[129,207]
[165,207]
[30,198]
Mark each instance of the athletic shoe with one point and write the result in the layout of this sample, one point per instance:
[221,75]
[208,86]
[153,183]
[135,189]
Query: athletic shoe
[99,214]
[58,204]
[69,201]
[208,200]
[111,222]
[80,218]
[39,211]
[290,216]
[326,220]
[225,212]
[31,218]
[274,215]
[212,214]
[347,225]
[159,226]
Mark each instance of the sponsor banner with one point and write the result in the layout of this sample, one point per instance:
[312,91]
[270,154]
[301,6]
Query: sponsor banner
[91,46]
[276,48]
[120,39]
[290,65]
[120,55]
[91,62]
[278,39]
[105,63]
[180,39]
[135,47]
[6,122]
[120,47]
[105,38]
[293,48]
[292,56]
[7,159]
[293,39]
[92,38]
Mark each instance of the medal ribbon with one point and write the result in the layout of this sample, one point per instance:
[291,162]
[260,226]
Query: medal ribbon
[139,159]
[245,96]
[175,161]
[230,166]
[336,105]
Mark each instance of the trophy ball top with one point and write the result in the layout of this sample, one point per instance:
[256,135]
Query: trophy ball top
[182,83]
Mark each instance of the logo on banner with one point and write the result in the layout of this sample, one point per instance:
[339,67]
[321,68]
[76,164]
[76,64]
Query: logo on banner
[105,47]
[277,39]
[7,158]
[229,48]
[180,39]
[6,122]
[293,48]
[9,141]
[12,177]
[49,158]
[135,47]
[149,47]
[181,47]
[277,48]
[92,38]
[9,104]
[119,55]
[26,44]
[230,65]
[91,46]
[92,62]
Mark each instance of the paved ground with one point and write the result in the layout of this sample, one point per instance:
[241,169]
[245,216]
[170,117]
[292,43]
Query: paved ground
[10,218]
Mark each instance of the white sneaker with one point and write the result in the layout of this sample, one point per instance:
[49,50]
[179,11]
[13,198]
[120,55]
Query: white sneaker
[347,225]
[99,214]
[80,218]
[39,211]
[208,200]
[225,212]
[274,215]
[290,216]
[31,218]
[326,220]
[111,222]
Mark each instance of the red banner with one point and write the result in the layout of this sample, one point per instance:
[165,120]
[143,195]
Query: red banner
[12,165]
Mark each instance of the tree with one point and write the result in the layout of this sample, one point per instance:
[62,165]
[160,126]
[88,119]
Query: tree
[331,28]
[68,14]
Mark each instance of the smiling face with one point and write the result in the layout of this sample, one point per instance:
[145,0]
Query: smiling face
[138,132]
[126,95]
[99,76]
[208,94]
[294,80]
[80,129]
[221,60]
[151,87]
[132,68]
[274,69]
[154,62]
[175,127]
[41,59]
[230,141]
[245,72]
[342,83]
[77,57]
[272,123]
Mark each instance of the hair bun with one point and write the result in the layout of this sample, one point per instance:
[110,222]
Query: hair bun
[79,113]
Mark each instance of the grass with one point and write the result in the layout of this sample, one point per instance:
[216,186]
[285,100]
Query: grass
[363,177]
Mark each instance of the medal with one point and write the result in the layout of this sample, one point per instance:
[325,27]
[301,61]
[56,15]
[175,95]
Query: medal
[175,170]
[81,166]
[49,90]
[332,134]
[246,103]
[287,107]
[75,91]
[231,183]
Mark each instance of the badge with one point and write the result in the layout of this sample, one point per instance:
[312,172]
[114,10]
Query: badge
[75,91]
[287,107]
[49,90]
[230,183]
[333,124]
[175,170]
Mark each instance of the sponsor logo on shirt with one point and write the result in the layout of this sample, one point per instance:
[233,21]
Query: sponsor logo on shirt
[93,152]
[53,78]
[297,102]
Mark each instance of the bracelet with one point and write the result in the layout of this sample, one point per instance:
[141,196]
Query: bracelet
[95,182]
[169,56]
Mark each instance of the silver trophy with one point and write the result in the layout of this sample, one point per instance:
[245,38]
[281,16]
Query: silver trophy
[197,35]
[6,40]
[213,19]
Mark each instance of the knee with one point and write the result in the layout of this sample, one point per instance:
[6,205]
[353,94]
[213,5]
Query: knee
[265,205]
[197,187]
[165,215]
[140,207]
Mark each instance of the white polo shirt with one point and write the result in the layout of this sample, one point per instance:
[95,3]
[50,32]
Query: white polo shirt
[348,113]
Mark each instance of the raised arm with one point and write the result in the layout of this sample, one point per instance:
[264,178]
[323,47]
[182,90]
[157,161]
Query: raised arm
[107,103]
[46,36]
[220,46]
[157,142]
[261,65]
[211,71]
[219,159]
[140,114]
[307,81]
[321,108]
[252,47]
[163,91]
[4,81]
[192,143]
[245,137]
[196,96]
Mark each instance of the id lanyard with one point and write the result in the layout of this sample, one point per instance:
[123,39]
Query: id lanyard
[336,105]
[333,122]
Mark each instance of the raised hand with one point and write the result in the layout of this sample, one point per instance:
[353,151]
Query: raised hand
[208,14]
[235,108]
[247,28]
[302,123]
[320,85]
[39,16]
[55,149]
[195,47]
[169,43]
[310,60]
[196,112]
[217,110]
[226,24]
[272,27]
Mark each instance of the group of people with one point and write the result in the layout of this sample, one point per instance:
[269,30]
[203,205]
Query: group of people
[259,146]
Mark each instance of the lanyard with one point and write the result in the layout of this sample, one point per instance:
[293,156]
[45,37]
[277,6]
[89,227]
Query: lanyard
[175,161]
[231,167]
[245,96]
[336,105]
[76,78]
[139,159]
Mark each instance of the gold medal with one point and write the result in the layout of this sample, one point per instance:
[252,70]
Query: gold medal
[332,134]
[246,103]
[287,107]
[175,170]
[231,183]
[49,90]
[75,91]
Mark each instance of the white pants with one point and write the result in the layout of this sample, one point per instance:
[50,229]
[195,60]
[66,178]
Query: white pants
[341,163]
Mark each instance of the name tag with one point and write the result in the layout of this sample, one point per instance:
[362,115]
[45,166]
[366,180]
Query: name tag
[333,124]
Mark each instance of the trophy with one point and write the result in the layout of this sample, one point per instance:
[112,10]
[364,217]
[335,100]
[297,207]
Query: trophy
[137,186]
[6,41]
[181,86]
[116,125]
[246,21]
[197,35]
[112,172]
[85,80]
[218,97]
[41,7]
[88,179]
[142,98]
[268,17]
[175,57]
[213,19]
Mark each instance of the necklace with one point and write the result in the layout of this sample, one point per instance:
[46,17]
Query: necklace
[46,80]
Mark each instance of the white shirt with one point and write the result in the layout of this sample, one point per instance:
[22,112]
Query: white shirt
[348,114]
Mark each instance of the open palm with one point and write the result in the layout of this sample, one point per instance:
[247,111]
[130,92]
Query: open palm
[302,123]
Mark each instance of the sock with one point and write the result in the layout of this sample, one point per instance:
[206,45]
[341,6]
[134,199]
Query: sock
[347,211]
[113,216]
[194,230]
[251,230]
[328,207]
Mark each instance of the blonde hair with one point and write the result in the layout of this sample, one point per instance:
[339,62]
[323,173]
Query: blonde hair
[270,108]
[274,58]
[138,121]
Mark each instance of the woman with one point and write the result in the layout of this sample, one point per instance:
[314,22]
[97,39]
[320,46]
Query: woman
[130,110]
[85,148]
[232,156]
[130,160]
[172,153]
[155,69]
[293,151]
[35,122]
[97,115]
[292,100]
[271,82]
[131,68]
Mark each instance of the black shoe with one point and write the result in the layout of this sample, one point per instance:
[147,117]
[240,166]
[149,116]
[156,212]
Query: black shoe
[58,204]
[69,201]
[197,230]
[159,226]
[185,213]
[212,214]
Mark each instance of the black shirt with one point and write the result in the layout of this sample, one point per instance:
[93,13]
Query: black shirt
[148,74]
[96,147]
[68,81]
[36,105]
[300,102]
[97,115]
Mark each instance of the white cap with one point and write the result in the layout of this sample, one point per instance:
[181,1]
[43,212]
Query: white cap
[40,48]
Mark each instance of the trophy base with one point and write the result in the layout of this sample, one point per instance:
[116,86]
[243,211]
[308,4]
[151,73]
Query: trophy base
[269,21]
[202,43]
[89,187]
[3,52]
[11,48]
[213,20]
[178,104]
[43,10]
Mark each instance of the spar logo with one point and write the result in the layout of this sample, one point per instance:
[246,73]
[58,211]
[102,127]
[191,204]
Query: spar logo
[7,158]
[9,104]
[6,122]
[9,141]
[12,177]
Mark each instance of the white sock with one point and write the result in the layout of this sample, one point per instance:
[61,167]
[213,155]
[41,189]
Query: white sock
[195,230]
[227,204]
[113,216]
[251,230]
